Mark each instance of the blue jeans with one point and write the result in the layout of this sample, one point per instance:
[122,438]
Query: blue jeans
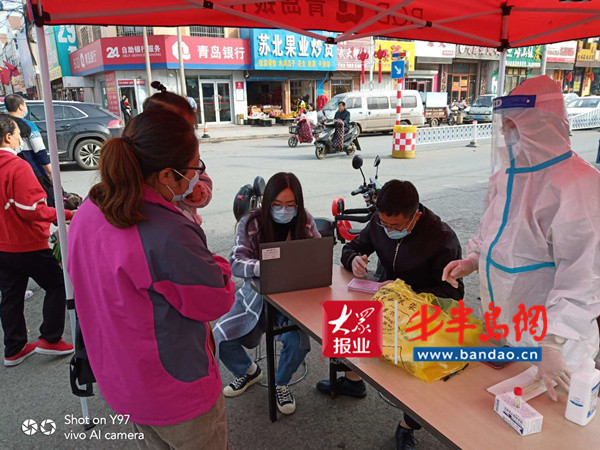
[233,355]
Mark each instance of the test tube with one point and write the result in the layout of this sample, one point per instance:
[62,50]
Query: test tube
[518,394]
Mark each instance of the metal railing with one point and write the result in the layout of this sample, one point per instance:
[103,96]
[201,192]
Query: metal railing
[456,133]
[586,120]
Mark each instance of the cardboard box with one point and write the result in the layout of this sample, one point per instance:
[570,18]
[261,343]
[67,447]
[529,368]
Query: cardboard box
[525,420]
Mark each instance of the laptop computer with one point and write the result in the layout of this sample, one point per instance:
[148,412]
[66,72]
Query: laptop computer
[295,265]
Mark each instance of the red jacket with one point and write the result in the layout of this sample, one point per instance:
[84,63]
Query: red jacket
[24,215]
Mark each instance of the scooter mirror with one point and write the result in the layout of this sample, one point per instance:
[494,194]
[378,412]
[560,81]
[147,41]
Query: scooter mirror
[377,161]
[357,162]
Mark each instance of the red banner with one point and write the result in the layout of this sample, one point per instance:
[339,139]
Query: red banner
[112,93]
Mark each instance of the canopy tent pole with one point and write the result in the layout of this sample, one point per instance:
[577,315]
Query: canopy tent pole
[57,184]
[147,57]
[504,44]
[501,73]
[544,60]
[183,90]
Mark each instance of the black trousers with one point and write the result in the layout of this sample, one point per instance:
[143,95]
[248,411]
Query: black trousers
[411,422]
[15,271]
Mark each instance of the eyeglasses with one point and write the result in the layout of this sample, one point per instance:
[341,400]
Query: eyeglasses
[384,225]
[200,169]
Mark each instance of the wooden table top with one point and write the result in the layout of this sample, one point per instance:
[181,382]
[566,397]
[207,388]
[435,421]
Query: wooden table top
[460,411]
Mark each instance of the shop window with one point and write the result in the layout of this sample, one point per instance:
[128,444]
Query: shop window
[96,32]
[133,31]
[199,31]
[377,103]
[295,88]
[84,36]
[340,87]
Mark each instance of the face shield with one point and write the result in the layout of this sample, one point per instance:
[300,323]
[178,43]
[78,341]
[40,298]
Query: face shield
[508,136]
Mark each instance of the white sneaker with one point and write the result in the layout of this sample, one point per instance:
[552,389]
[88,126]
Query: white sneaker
[28,294]
[285,400]
[239,385]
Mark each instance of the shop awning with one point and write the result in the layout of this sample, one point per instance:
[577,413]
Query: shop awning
[492,23]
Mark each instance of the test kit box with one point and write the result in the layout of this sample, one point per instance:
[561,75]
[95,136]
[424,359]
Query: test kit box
[525,420]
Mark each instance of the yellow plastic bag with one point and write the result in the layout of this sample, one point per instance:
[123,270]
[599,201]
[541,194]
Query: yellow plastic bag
[410,303]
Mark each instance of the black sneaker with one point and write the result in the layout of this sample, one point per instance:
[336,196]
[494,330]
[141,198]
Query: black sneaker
[285,400]
[239,385]
[405,439]
[344,386]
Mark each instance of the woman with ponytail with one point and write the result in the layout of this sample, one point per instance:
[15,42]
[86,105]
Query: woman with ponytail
[146,286]
[202,193]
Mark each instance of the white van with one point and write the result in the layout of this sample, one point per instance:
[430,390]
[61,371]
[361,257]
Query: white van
[376,110]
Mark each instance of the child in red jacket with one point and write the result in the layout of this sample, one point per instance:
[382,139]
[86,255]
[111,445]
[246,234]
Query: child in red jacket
[25,220]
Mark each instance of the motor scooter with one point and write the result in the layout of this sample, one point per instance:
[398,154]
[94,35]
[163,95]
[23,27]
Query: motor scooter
[324,142]
[303,132]
[343,217]
[249,198]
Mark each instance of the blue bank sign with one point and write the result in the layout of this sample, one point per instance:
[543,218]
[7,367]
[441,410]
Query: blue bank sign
[284,50]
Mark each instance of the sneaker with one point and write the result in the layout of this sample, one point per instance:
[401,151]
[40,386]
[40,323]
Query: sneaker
[405,439]
[17,359]
[60,348]
[344,386]
[285,400]
[28,294]
[239,385]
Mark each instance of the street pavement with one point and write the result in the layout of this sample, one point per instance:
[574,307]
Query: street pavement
[452,181]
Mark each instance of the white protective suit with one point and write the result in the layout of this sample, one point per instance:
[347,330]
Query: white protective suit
[542,222]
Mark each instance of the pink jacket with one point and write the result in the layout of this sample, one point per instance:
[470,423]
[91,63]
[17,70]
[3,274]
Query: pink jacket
[144,297]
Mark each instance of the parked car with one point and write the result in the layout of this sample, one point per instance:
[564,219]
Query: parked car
[570,97]
[480,110]
[81,128]
[583,105]
[376,110]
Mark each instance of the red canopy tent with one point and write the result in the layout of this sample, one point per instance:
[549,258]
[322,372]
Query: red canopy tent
[493,23]
[490,23]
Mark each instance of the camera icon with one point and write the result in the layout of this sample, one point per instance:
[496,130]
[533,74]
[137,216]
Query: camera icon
[29,427]
[48,427]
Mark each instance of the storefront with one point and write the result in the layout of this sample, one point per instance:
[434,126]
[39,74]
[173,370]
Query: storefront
[586,77]
[354,58]
[560,60]
[287,69]
[430,59]
[521,63]
[214,72]
[474,72]
[388,48]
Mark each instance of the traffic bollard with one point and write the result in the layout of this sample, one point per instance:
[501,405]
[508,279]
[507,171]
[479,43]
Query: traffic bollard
[473,142]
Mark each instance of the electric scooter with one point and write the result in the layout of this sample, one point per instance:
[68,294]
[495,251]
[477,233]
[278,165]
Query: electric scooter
[324,142]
